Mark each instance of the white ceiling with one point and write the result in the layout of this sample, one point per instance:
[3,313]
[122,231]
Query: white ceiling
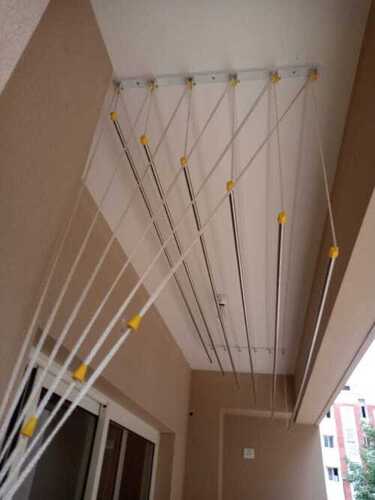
[158,37]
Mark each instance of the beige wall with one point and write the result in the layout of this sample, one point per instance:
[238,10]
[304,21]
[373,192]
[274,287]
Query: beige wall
[351,193]
[48,114]
[287,465]
[211,396]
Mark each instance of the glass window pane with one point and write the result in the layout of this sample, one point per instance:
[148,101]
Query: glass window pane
[61,473]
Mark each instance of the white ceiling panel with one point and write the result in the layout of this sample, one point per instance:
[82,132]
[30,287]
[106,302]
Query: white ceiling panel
[147,38]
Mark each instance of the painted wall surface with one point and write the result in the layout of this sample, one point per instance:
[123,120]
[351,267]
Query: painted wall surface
[211,395]
[287,464]
[48,114]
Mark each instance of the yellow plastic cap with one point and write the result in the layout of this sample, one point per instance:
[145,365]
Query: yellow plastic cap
[333,252]
[183,161]
[29,426]
[143,140]
[80,373]
[230,185]
[313,75]
[275,77]
[234,81]
[282,218]
[114,116]
[135,322]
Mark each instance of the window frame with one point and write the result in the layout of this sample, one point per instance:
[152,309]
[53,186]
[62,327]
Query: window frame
[106,410]
[332,476]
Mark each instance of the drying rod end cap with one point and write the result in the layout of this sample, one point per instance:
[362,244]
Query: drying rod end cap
[144,140]
[80,373]
[29,427]
[275,77]
[282,218]
[230,185]
[135,322]
[113,116]
[183,161]
[333,252]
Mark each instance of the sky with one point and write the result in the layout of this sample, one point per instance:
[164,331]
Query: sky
[362,379]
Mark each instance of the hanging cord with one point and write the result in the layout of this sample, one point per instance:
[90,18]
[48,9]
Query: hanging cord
[48,326]
[233,83]
[30,332]
[173,115]
[189,87]
[281,178]
[151,88]
[14,483]
[322,159]
[208,121]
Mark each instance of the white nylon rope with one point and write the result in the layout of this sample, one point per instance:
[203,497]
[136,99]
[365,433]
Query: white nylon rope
[220,157]
[208,121]
[143,311]
[294,212]
[281,178]
[162,137]
[150,96]
[47,328]
[188,120]
[234,126]
[30,331]
[324,165]
[188,206]
[84,293]
[72,318]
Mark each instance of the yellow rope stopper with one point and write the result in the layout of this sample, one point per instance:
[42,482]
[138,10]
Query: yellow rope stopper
[29,426]
[135,322]
[282,218]
[152,86]
[113,116]
[333,252]
[275,77]
[313,75]
[80,373]
[144,140]
[190,83]
[230,185]
[183,161]
[234,81]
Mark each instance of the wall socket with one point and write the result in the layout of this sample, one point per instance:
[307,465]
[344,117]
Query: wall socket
[248,453]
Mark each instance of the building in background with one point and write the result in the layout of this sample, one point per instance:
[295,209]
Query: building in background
[341,428]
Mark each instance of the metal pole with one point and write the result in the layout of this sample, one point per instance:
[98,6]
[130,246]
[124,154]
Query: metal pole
[233,213]
[157,229]
[333,254]
[281,221]
[168,213]
[207,263]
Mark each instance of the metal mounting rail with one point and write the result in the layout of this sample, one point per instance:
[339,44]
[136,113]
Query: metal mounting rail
[252,74]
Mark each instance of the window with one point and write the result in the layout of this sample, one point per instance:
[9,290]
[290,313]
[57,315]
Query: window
[363,411]
[328,415]
[328,441]
[333,473]
[127,466]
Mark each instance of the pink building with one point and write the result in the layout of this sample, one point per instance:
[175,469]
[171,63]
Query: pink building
[342,437]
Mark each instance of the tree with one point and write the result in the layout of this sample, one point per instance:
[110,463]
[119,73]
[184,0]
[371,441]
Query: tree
[362,476]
